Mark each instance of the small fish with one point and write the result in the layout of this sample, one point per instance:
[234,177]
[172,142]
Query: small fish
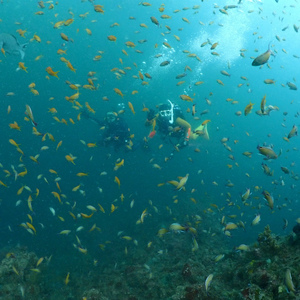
[263,104]
[67,280]
[285,170]
[220,82]
[256,220]
[112,38]
[154,20]
[286,223]
[268,152]
[64,37]
[293,132]
[118,92]
[230,226]
[289,281]
[65,232]
[117,181]
[51,72]
[263,58]
[248,108]
[246,195]
[205,122]
[219,257]
[70,158]
[269,199]
[165,63]
[269,81]
[267,170]
[176,227]
[186,98]
[213,47]
[243,247]
[182,182]
[131,107]
[22,67]
[225,73]
[208,280]
[292,86]
[29,113]
[181,75]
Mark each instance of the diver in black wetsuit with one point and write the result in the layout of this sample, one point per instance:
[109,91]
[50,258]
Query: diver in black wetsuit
[116,132]
[167,123]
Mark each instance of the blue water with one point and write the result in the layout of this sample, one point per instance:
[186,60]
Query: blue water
[138,178]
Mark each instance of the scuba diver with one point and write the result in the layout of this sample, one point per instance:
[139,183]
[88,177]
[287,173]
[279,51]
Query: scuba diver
[171,124]
[116,132]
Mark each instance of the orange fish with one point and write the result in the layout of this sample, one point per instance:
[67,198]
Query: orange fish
[98,8]
[117,91]
[70,158]
[111,38]
[68,22]
[15,126]
[205,122]
[131,107]
[117,180]
[51,72]
[22,67]
[69,65]
[14,143]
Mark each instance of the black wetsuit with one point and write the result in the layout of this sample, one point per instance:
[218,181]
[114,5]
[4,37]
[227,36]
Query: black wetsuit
[116,133]
[175,137]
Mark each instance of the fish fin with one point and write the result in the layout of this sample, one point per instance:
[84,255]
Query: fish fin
[22,54]
[14,37]
[22,50]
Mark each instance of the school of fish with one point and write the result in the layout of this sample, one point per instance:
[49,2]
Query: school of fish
[56,164]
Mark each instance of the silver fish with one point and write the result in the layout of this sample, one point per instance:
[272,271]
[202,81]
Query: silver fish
[10,44]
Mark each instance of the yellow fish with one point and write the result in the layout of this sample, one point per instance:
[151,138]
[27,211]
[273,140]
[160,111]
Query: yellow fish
[248,108]
[117,180]
[182,182]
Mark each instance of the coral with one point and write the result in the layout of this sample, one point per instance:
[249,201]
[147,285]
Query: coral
[268,242]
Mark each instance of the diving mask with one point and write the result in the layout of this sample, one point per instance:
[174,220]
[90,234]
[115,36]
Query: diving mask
[110,117]
[168,113]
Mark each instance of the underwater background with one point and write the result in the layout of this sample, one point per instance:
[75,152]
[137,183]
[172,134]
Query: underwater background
[67,235]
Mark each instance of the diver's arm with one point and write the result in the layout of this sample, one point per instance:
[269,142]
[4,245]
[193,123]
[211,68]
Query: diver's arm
[99,122]
[86,115]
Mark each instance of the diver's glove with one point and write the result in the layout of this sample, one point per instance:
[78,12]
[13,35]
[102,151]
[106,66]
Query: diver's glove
[85,114]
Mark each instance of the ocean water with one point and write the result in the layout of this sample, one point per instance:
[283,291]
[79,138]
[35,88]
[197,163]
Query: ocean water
[252,26]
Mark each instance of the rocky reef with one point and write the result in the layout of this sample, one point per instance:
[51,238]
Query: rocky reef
[166,270]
